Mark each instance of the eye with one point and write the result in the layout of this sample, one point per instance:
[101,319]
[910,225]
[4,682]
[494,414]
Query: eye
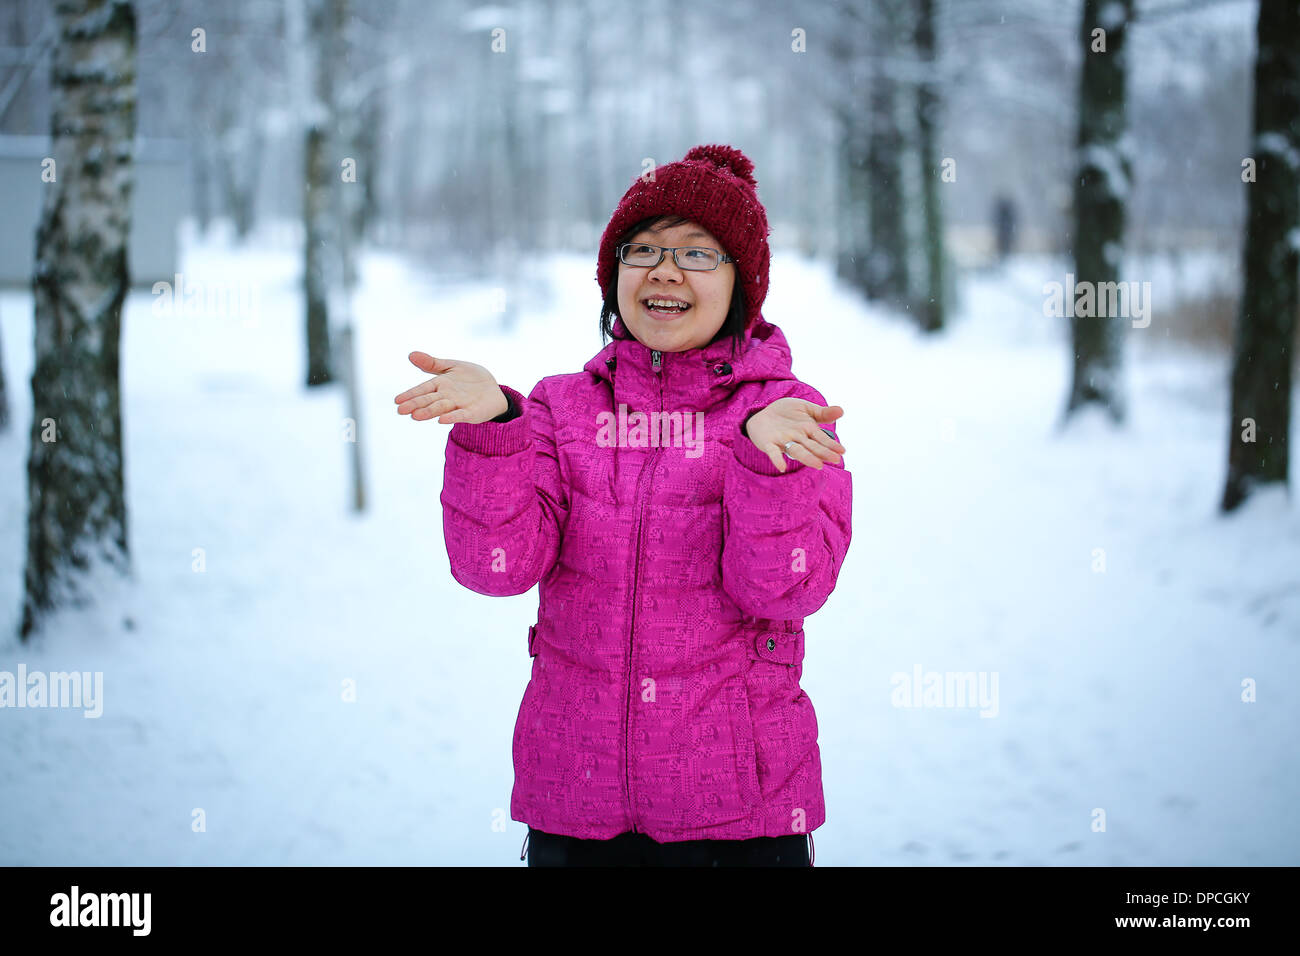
[697,252]
[640,247]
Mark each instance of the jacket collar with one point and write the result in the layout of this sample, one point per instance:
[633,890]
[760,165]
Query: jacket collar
[695,379]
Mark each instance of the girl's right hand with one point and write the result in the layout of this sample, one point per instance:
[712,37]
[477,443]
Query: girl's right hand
[459,392]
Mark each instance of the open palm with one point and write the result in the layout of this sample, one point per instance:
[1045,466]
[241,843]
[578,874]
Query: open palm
[458,392]
[798,421]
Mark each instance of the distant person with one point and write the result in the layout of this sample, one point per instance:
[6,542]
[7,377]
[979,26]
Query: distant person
[663,724]
[1004,226]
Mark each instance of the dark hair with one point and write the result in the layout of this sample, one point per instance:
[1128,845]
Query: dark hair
[733,325]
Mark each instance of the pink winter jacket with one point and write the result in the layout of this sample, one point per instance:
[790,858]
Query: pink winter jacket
[677,566]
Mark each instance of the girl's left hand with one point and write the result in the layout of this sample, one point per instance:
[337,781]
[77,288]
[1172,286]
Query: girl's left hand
[800,421]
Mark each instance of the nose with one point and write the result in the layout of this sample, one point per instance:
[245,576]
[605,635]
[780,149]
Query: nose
[667,269]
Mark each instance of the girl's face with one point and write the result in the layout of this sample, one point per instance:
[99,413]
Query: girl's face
[708,294]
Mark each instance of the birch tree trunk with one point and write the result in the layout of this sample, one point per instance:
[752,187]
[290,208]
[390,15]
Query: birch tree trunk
[347,193]
[931,311]
[318,192]
[201,166]
[76,514]
[1100,194]
[853,200]
[4,393]
[1266,323]
[585,123]
[852,194]
[886,268]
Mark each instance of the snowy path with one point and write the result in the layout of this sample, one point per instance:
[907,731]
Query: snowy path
[974,535]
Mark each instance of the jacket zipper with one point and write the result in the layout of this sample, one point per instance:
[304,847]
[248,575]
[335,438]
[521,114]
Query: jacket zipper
[657,360]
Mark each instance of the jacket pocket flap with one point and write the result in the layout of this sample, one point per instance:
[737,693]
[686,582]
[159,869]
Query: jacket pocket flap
[780,647]
[532,640]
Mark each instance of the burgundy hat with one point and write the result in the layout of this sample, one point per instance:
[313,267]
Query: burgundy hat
[714,186]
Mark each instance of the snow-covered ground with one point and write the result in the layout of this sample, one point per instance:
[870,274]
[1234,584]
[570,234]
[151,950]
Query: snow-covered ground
[976,534]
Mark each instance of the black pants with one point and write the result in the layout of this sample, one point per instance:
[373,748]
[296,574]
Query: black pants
[637,849]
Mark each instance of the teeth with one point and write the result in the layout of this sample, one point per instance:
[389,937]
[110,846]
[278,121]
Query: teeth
[664,303]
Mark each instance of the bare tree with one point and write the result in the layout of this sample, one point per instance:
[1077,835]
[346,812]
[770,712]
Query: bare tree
[201,152]
[1101,191]
[931,311]
[1266,323]
[76,502]
[311,36]
[236,150]
[853,131]
[886,275]
[4,393]
[19,101]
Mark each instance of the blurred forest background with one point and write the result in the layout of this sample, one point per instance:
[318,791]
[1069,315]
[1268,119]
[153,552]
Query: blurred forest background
[904,140]
[475,127]
[319,186]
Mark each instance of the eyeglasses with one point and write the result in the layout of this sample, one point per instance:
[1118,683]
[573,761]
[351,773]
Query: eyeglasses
[692,258]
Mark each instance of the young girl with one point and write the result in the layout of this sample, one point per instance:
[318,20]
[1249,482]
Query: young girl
[683,503]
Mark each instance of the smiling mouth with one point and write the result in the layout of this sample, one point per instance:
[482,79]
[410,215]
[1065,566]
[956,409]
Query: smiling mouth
[662,311]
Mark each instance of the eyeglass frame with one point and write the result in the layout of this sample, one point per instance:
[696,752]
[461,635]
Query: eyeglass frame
[664,250]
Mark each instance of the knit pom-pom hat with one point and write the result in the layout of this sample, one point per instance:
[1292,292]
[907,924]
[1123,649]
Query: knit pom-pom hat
[715,187]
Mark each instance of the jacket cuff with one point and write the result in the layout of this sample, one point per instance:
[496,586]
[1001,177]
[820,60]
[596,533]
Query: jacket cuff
[497,438]
[512,411]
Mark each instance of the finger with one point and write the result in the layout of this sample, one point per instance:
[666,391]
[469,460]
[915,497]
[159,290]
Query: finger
[827,414]
[421,401]
[822,451]
[433,409]
[825,442]
[428,363]
[797,452]
[801,454]
[422,389]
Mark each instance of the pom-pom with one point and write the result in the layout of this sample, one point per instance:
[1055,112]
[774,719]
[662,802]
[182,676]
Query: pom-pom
[727,157]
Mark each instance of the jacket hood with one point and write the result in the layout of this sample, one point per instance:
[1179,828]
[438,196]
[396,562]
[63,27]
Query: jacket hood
[696,378]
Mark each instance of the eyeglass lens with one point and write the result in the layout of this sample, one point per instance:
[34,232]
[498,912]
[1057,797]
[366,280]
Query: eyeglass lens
[686,257]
